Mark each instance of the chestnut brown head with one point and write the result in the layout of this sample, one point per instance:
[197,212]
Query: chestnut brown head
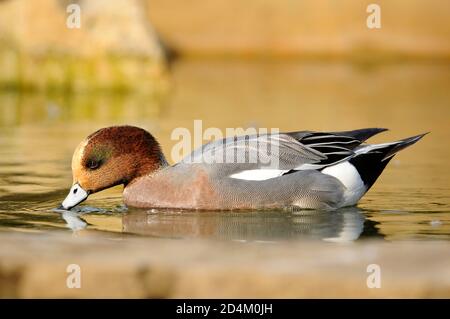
[112,156]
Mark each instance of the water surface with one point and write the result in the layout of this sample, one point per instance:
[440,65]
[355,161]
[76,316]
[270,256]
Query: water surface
[39,132]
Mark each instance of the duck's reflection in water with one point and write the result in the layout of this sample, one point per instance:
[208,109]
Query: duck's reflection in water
[339,226]
[343,225]
[73,220]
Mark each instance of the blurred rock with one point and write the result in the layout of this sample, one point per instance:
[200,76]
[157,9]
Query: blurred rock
[115,47]
[34,266]
[306,28]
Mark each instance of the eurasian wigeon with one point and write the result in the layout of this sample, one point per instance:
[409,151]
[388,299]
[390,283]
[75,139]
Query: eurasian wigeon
[314,170]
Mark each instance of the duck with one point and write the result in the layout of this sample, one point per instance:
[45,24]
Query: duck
[293,170]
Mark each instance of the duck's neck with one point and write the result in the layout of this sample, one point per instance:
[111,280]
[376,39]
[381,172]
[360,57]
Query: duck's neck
[150,164]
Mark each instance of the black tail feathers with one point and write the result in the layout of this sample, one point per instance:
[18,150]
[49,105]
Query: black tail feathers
[362,134]
[371,160]
[402,144]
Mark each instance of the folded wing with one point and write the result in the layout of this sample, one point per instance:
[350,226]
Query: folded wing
[260,157]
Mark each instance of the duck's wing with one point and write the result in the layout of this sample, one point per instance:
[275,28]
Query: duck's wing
[259,157]
[257,151]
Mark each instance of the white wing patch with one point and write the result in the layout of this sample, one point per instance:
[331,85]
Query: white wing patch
[308,166]
[258,174]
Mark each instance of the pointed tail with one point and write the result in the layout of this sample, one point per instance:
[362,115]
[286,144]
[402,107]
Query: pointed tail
[370,160]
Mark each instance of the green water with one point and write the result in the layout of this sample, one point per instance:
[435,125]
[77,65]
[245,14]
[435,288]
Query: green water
[39,132]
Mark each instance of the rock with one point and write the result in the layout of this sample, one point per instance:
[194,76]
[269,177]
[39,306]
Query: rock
[307,28]
[115,47]
[34,266]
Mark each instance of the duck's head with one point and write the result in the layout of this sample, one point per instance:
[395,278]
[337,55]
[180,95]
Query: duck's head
[109,157]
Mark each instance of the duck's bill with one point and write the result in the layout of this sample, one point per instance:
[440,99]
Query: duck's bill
[76,195]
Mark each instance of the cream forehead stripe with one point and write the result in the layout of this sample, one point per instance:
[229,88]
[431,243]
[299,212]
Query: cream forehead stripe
[78,156]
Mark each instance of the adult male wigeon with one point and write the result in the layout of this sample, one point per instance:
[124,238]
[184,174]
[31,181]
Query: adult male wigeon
[314,170]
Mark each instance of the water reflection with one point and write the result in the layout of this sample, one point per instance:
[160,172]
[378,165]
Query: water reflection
[73,220]
[344,225]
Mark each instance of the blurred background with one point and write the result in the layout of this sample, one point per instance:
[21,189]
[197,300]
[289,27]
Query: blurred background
[161,64]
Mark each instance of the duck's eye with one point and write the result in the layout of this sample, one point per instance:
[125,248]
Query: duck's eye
[93,164]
